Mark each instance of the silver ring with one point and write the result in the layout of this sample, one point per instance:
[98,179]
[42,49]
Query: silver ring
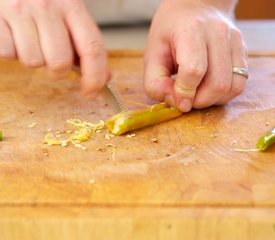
[241,71]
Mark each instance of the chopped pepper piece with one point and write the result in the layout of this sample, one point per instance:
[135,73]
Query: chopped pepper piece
[128,121]
[1,135]
[266,141]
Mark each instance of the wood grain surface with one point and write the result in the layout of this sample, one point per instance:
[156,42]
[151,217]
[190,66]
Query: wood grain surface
[191,184]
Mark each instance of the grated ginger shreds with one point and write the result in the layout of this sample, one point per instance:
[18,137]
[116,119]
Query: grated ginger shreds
[83,131]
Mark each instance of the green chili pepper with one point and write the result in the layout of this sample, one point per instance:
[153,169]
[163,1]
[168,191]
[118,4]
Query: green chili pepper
[266,141]
[128,121]
[1,135]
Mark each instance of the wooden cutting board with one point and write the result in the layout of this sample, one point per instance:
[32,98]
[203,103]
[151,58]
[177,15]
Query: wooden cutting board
[190,184]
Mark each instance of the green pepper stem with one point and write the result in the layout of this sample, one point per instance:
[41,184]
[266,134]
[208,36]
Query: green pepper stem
[267,140]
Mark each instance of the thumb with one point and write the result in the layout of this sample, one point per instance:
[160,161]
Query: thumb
[158,67]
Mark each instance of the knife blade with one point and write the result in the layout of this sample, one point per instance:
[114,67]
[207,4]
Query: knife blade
[109,91]
[116,96]
[109,95]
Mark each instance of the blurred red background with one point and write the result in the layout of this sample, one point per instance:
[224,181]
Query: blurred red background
[255,9]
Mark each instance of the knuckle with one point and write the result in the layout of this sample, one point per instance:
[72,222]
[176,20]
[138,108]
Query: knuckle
[198,23]
[16,5]
[237,33]
[222,29]
[44,4]
[195,25]
[238,39]
[94,48]
[183,91]
[194,70]
[237,36]
[222,87]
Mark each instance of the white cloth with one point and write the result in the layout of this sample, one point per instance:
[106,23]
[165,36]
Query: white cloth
[121,11]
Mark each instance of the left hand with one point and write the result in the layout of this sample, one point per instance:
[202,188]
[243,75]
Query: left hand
[201,45]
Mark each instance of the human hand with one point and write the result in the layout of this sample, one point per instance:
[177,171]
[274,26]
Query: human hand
[201,45]
[51,32]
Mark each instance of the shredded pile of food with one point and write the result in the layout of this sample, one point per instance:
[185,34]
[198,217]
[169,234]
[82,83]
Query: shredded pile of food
[83,131]
[119,124]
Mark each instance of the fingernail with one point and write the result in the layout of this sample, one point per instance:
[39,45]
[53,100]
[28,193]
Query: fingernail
[170,100]
[185,105]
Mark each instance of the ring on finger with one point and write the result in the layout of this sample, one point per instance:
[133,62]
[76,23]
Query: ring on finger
[241,71]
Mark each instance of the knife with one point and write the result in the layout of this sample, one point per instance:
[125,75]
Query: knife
[109,91]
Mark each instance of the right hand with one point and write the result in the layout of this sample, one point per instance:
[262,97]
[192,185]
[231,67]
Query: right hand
[200,44]
[50,32]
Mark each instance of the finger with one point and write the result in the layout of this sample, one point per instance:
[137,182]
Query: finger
[90,48]
[55,41]
[217,81]
[158,65]
[239,59]
[191,57]
[7,48]
[25,36]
